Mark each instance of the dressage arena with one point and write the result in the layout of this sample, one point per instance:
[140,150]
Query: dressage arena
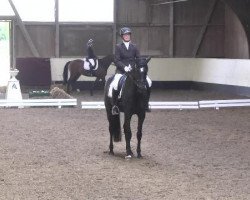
[61,154]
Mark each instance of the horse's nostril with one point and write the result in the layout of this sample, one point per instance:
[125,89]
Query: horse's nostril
[142,86]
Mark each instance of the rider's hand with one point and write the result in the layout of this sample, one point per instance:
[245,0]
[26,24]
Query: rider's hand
[127,68]
[90,43]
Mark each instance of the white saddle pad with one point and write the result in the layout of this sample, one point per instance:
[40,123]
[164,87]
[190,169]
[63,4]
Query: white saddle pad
[86,64]
[114,84]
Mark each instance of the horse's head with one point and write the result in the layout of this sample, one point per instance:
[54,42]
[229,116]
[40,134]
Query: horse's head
[140,72]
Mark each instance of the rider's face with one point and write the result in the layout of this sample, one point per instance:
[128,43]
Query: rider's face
[126,37]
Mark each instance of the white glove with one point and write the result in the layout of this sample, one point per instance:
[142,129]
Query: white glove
[127,68]
[90,42]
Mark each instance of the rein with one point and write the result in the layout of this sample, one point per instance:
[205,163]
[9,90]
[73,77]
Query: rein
[133,79]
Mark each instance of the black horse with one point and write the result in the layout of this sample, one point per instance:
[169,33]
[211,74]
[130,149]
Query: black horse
[133,101]
[76,69]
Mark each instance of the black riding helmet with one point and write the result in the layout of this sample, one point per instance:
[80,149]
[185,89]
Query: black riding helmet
[125,30]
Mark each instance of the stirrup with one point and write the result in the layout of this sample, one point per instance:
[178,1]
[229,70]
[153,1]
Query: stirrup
[115,110]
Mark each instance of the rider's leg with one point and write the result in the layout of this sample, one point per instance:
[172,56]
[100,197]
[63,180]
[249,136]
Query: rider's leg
[114,93]
[91,67]
[114,102]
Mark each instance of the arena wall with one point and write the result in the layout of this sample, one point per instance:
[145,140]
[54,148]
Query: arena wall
[227,72]
[218,71]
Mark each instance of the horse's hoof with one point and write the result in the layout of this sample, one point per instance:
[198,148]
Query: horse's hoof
[128,157]
[111,153]
[139,156]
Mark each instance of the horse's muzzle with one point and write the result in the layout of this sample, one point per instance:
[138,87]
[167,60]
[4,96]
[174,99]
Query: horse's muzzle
[142,86]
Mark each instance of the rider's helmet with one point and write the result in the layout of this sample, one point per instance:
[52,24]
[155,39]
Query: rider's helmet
[125,30]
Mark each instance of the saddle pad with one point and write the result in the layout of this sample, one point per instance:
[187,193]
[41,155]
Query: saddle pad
[116,83]
[86,64]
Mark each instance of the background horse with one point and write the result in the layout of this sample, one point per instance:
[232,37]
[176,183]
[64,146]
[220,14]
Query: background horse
[133,101]
[76,69]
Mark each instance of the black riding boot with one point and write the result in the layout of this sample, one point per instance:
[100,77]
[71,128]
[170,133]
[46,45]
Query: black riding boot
[91,67]
[147,108]
[115,109]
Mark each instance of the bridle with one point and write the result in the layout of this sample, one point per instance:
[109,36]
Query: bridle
[134,80]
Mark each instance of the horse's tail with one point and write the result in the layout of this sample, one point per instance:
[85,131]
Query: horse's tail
[65,73]
[114,120]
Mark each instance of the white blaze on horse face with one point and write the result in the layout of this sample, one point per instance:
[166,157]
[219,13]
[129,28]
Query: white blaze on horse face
[142,69]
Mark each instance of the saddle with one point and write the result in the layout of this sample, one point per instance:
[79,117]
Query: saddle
[121,84]
[90,63]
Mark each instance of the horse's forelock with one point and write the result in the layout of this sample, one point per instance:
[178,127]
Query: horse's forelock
[142,61]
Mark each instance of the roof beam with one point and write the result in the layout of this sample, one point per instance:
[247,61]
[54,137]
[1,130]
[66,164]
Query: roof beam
[24,31]
[204,28]
[171,31]
[57,42]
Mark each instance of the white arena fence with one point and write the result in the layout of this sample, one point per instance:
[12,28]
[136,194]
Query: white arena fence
[153,105]
[179,105]
[38,103]
[92,105]
[216,104]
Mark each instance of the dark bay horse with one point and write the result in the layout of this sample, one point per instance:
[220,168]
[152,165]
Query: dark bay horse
[76,69]
[133,101]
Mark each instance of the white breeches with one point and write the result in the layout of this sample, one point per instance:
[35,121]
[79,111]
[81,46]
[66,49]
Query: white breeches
[91,61]
[114,83]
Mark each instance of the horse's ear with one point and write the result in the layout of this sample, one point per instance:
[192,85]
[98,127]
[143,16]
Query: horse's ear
[148,59]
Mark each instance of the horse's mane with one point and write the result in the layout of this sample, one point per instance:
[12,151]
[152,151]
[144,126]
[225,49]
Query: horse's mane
[106,61]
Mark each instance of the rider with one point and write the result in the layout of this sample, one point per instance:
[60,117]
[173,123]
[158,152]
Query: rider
[91,55]
[125,56]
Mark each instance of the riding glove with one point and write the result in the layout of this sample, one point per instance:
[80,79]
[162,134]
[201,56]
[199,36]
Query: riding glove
[90,43]
[127,68]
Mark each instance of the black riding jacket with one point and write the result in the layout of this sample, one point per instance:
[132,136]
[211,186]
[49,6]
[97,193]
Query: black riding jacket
[124,56]
[90,52]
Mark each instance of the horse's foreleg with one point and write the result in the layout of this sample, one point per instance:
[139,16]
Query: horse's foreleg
[111,132]
[128,135]
[141,118]
[103,82]
[111,146]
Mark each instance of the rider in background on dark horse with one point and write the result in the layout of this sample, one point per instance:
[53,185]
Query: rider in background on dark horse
[125,59]
[91,56]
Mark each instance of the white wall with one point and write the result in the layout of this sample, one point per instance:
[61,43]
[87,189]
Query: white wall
[222,71]
[219,71]
[170,69]
[57,66]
